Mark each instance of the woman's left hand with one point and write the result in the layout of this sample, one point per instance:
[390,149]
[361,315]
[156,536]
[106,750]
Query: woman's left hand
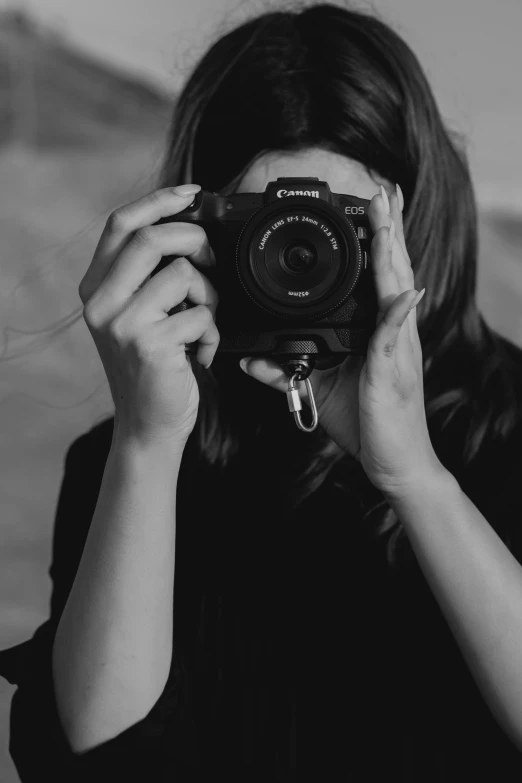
[373,406]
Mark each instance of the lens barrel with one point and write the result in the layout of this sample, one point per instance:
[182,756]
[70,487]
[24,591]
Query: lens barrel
[298,256]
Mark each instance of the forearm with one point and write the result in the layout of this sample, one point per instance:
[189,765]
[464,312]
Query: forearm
[113,648]
[477,583]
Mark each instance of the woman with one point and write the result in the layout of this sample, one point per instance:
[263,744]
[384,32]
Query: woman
[403,507]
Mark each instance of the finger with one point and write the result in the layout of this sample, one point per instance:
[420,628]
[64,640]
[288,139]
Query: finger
[396,213]
[379,211]
[177,281]
[123,222]
[265,370]
[272,374]
[404,351]
[403,273]
[400,258]
[414,332]
[383,344]
[143,254]
[189,326]
[384,275]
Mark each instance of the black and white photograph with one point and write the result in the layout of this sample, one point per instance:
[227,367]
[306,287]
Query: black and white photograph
[260,391]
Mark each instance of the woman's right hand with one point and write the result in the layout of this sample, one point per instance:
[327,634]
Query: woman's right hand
[142,348]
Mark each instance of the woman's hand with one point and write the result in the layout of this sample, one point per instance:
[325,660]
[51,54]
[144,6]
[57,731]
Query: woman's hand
[373,406]
[142,348]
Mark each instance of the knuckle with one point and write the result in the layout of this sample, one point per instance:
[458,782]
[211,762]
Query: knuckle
[389,347]
[145,236]
[379,240]
[117,329]
[200,235]
[182,266]
[381,234]
[199,231]
[212,333]
[215,333]
[207,315]
[91,316]
[145,348]
[156,198]
[118,220]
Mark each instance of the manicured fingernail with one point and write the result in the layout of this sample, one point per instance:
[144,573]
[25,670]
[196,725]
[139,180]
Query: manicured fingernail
[391,235]
[401,197]
[384,196]
[186,190]
[417,299]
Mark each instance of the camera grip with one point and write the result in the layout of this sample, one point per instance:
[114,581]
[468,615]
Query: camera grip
[179,308]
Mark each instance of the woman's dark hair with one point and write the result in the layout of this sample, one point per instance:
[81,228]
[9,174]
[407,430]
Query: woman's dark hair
[328,77]
[341,80]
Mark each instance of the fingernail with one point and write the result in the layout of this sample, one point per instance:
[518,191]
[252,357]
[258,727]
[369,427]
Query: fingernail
[401,197]
[186,190]
[208,365]
[384,196]
[243,364]
[391,235]
[417,299]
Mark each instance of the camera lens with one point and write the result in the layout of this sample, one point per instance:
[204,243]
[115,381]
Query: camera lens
[299,257]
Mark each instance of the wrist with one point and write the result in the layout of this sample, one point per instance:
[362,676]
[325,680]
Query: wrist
[437,482]
[160,451]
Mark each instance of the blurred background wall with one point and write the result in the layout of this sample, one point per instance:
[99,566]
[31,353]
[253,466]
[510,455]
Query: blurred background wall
[85,97]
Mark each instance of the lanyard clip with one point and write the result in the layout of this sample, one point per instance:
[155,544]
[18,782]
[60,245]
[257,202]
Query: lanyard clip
[294,402]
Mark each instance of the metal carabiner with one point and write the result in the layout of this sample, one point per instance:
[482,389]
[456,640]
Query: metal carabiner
[295,406]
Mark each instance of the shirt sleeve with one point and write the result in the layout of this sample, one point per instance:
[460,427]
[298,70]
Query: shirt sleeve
[37,743]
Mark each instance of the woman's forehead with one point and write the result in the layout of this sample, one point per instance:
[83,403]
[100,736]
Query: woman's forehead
[344,175]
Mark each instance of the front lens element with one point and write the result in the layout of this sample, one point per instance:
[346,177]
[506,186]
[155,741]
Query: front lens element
[299,257]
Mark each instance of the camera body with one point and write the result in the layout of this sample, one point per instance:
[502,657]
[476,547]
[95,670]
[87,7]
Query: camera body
[292,270]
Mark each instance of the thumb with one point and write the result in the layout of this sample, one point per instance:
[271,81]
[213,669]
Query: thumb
[265,370]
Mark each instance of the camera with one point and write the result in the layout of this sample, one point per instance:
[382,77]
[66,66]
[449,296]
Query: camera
[292,269]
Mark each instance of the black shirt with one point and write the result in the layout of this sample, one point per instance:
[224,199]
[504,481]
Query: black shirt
[265,597]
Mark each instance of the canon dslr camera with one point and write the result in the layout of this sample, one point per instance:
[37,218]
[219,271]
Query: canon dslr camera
[292,269]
